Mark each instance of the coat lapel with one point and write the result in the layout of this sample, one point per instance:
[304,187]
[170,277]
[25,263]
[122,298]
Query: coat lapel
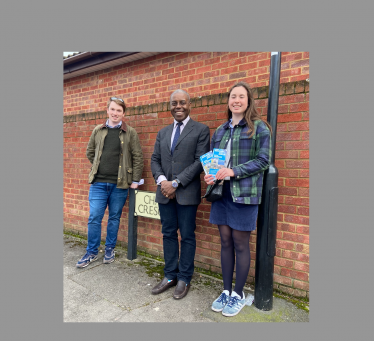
[186,130]
[168,136]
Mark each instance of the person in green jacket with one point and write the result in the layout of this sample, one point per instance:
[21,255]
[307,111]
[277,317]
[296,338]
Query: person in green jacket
[117,163]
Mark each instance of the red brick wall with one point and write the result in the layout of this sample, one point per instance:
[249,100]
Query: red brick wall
[146,86]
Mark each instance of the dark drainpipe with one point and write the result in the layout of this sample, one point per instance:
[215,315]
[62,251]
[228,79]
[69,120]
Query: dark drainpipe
[268,209]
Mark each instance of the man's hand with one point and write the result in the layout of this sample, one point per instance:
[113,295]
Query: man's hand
[167,189]
[134,186]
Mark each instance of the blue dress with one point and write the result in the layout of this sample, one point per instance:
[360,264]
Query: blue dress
[225,211]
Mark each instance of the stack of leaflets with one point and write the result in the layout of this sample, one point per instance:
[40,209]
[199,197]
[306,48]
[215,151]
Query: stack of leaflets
[212,162]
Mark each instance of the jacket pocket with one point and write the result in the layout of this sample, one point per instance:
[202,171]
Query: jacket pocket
[129,175]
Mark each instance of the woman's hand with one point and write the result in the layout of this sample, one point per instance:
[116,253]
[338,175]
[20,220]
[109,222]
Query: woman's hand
[223,172]
[209,178]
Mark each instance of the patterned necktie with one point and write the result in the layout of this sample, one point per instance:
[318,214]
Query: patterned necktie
[176,136]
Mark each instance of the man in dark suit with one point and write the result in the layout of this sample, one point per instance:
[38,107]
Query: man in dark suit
[176,167]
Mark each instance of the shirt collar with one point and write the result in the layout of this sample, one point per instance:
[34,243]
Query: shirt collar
[184,121]
[229,125]
[122,125]
[109,126]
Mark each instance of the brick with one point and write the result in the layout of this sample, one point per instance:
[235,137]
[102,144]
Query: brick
[258,71]
[302,257]
[283,262]
[297,201]
[295,274]
[285,245]
[290,72]
[287,209]
[290,57]
[304,173]
[296,219]
[286,227]
[288,173]
[301,285]
[303,211]
[229,70]
[258,56]
[212,61]
[287,154]
[195,65]
[305,70]
[298,78]
[288,136]
[248,66]
[292,98]
[282,279]
[203,69]
[303,192]
[211,74]
[297,164]
[305,135]
[300,63]
[303,229]
[295,237]
[290,117]
[297,182]
[237,75]
[297,145]
[304,154]
[299,107]
[280,163]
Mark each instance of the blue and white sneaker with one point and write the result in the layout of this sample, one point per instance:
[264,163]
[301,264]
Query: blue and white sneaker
[235,304]
[86,259]
[109,255]
[221,301]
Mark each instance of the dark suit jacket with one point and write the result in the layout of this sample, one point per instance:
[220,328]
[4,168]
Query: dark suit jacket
[185,162]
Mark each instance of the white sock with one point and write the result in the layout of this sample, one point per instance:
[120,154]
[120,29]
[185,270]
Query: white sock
[235,294]
[226,292]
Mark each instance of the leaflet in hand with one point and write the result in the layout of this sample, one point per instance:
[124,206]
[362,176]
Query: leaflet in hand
[206,161]
[213,161]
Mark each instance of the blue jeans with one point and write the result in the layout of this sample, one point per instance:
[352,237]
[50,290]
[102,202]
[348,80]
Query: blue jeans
[100,196]
[174,216]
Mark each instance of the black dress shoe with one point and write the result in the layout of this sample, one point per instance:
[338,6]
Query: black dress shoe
[163,285]
[181,290]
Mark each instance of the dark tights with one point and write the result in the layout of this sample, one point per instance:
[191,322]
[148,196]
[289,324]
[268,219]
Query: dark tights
[234,242]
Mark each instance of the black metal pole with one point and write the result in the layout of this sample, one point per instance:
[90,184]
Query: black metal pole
[132,227]
[268,209]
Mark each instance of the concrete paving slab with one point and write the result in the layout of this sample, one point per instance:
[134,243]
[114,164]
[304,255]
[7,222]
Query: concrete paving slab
[128,287]
[189,309]
[84,305]
[121,292]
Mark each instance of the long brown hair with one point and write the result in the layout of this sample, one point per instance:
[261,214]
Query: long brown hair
[251,114]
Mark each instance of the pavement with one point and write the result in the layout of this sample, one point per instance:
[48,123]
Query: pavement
[121,292]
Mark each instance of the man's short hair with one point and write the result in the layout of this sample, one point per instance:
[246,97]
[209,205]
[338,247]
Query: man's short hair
[118,100]
[180,90]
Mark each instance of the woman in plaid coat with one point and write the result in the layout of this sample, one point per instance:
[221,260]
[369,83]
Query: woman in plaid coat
[246,138]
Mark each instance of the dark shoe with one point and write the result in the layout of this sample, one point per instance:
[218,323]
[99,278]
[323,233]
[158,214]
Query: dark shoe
[109,255]
[86,259]
[163,285]
[181,290]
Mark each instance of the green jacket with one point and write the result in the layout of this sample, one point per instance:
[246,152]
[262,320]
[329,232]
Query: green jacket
[131,158]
